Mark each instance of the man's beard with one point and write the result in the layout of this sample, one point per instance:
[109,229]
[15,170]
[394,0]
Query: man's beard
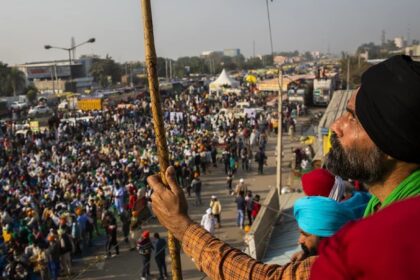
[367,166]
[308,252]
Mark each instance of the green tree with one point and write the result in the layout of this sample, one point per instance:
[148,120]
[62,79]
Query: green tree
[12,80]
[254,63]
[16,79]
[31,93]
[357,67]
[106,72]
[307,56]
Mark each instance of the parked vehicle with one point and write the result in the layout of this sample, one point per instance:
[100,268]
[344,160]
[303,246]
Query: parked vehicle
[90,104]
[18,105]
[323,90]
[40,111]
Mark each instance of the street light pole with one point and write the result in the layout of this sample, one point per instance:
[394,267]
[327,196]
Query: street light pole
[69,50]
[71,75]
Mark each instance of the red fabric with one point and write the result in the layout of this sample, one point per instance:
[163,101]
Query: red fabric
[145,234]
[132,201]
[255,209]
[318,182]
[383,246]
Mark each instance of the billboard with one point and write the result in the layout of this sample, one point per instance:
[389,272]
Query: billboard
[47,71]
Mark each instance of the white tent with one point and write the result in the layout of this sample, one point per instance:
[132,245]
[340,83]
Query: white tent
[223,81]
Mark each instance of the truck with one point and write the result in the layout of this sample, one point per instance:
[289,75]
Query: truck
[90,104]
[300,92]
[323,90]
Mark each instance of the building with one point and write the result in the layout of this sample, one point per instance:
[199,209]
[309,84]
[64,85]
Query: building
[413,50]
[280,60]
[211,53]
[55,75]
[231,52]
[399,42]
[316,54]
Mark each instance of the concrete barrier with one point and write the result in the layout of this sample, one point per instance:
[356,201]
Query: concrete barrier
[259,235]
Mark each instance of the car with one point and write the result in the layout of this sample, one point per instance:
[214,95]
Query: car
[40,110]
[18,105]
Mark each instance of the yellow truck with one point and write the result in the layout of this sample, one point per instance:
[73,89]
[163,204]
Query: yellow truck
[89,104]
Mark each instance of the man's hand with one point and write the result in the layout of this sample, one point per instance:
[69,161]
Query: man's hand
[169,204]
[298,256]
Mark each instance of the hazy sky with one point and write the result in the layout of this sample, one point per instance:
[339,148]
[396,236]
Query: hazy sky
[188,27]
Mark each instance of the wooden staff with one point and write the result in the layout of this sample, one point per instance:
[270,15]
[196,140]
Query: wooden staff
[150,55]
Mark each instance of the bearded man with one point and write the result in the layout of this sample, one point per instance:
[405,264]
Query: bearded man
[377,142]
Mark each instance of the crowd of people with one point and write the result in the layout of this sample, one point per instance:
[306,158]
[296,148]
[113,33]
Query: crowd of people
[64,186]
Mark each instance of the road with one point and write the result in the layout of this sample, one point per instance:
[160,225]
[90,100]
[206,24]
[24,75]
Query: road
[127,264]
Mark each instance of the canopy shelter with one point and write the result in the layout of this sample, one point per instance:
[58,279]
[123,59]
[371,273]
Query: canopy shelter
[223,82]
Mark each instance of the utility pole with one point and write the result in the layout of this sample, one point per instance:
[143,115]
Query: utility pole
[269,28]
[279,132]
[163,154]
[170,69]
[348,73]
[253,48]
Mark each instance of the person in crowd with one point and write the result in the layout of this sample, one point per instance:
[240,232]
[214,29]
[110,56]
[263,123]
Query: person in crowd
[240,209]
[244,159]
[53,253]
[229,180]
[241,187]
[216,210]
[196,186]
[208,221]
[66,249]
[375,142]
[249,205]
[110,225]
[256,206]
[160,255]
[145,247]
[261,159]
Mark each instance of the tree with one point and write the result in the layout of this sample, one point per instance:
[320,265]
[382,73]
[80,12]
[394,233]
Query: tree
[307,56]
[105,72]
[16,79]
[357,68]
[12,80]
[31,93]
[254,63]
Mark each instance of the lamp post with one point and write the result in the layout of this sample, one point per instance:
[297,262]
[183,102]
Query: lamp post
[69,50]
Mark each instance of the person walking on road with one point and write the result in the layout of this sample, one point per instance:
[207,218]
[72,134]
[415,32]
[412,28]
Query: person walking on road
[260,158]
[110,225]
[207,221]
[196,187]
[216,210]
[241,187]
[249,202]
[145,247]
[160,254]
[240,207]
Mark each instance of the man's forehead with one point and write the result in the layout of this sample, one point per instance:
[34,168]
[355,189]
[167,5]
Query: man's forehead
[351,103]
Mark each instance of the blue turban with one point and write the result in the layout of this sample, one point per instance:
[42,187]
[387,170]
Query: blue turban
[321,216]
[357,203]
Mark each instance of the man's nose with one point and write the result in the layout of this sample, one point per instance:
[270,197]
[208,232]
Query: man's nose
[336,127]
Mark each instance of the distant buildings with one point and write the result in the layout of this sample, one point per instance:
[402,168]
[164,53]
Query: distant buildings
[231,52]
[399,42]
[413,50]
[54,75]
[208,53]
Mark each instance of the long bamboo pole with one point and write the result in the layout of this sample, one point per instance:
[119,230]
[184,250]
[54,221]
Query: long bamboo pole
[162,148]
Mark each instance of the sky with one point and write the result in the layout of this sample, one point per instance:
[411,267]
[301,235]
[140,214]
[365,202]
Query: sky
[188,27]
